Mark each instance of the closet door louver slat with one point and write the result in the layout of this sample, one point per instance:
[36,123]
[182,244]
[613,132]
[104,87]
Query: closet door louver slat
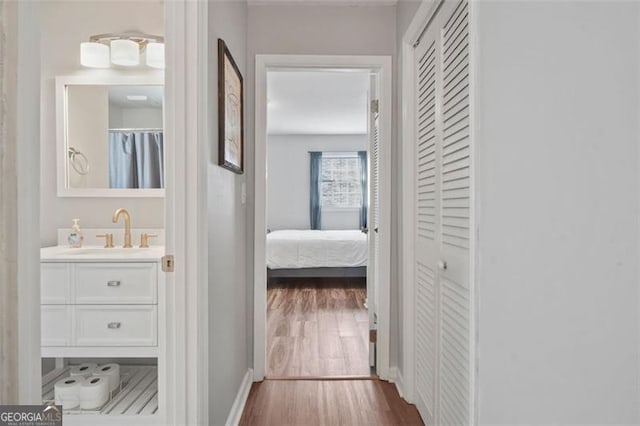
[426,317]
[426,213]
[426,147]
[455,303]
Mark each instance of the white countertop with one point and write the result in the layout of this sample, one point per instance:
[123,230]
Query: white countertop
[101,254]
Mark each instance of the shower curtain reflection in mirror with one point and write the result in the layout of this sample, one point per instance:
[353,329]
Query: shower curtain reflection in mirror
[136,159]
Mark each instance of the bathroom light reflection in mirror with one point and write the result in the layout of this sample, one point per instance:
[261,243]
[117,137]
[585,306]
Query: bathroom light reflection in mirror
[115,136]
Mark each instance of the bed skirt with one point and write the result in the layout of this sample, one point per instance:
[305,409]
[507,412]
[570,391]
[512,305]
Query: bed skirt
[358,271]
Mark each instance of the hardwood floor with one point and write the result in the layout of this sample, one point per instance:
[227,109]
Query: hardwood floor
[322,402]
[317,327]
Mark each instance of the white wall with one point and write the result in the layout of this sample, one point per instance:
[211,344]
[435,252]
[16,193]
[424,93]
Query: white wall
[288,180]
[229,314]
[65,24]
[558,216]
[135,118]
[318,30]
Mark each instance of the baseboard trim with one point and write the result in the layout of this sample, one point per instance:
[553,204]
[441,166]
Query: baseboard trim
[400,384]
[241,399]
[392,374]
[395,377]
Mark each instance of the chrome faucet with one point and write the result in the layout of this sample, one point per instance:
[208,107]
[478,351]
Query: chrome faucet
[127,225]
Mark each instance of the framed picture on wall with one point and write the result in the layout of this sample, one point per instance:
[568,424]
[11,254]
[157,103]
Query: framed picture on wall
[230,112]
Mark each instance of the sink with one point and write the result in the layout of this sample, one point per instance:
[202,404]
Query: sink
[98,253]
[92,251]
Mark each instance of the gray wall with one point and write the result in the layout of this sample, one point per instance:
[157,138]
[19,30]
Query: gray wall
[558,217]
[288,180]
[65,24]
[228,288]
[318,30]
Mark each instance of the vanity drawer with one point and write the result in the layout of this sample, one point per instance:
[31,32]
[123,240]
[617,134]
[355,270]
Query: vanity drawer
[109,325]
[54,283]
[116,283]
[55,325]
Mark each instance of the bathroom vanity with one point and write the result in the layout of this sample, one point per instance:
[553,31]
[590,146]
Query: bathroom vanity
[106,303]
[100,302]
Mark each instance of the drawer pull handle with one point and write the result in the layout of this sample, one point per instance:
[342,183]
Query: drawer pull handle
[114,325]
[113,283]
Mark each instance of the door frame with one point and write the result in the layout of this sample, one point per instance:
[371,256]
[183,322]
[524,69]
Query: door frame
[383,66]
[186,125]
[186,381]
[27,131]
[425,13]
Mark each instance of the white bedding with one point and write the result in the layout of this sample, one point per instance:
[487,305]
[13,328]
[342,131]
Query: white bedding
[294,249]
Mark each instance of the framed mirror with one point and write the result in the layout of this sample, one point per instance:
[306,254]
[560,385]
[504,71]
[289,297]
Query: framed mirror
[110,136]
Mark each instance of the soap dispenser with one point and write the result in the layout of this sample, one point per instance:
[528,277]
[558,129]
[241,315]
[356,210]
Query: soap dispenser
[75,236]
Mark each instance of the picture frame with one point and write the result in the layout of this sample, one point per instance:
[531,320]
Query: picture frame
[230,111]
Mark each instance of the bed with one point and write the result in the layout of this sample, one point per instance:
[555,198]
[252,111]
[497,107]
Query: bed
[315,253]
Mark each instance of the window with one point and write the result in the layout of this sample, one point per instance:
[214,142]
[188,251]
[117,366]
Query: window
[340,185]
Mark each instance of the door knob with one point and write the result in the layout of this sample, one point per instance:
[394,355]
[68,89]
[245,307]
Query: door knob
[442,265]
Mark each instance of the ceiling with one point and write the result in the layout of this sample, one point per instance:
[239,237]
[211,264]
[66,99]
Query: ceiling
[317,102]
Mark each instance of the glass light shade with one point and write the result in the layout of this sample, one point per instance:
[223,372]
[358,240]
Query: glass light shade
[155,55]
[94,55]
[125,53]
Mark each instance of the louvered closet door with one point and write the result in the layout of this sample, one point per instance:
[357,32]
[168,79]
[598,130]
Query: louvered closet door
[427,223]
[455,294]
[373,220]
[443,298]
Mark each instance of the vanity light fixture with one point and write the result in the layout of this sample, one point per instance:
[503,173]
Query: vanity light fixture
[125,52]
[155,55]
[122,49]
[94,55]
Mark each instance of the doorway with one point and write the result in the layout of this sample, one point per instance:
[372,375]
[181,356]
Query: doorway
[322,319]
[179,373]
[317,217]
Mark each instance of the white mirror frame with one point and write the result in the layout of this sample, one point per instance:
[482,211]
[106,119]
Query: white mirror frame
[95,79]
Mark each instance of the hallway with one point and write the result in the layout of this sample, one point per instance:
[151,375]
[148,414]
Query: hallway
[327,402]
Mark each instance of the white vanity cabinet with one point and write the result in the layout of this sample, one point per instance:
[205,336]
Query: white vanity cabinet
[100,308]
[104,305]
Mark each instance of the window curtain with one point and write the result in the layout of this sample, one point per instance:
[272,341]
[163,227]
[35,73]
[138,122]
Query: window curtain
[315,211]
[136,160]
[362,155]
